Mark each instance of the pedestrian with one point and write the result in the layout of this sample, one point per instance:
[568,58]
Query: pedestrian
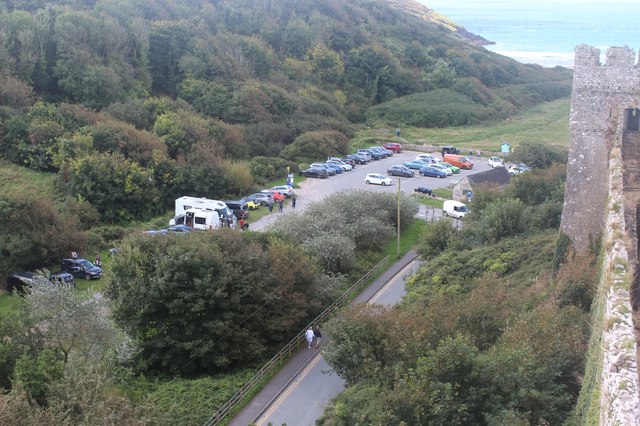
[293,201]
[280,206]
[229,221]
[318,336]
[309,335]
[478,154]
[270,208]
[98,261]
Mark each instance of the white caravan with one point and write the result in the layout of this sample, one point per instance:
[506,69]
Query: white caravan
[201,213]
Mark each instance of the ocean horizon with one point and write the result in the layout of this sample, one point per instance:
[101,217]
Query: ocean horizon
[546,32]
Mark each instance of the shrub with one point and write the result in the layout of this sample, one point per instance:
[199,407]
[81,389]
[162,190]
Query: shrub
[314,145]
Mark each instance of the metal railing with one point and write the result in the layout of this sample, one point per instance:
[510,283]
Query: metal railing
[293,345]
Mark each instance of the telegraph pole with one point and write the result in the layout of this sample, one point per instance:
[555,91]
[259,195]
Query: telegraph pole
[398,219]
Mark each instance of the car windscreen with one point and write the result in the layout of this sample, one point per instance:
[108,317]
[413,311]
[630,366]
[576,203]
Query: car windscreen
[86,264]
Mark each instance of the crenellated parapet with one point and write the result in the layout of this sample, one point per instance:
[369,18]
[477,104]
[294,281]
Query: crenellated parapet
[601,98]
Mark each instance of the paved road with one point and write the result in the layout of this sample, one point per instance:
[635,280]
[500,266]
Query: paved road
[303,400]
[311,190]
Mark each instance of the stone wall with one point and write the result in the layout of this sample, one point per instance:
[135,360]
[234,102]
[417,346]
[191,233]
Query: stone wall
[601,95]
[619,387]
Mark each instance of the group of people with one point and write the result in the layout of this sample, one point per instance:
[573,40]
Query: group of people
[280,202]
[311,334]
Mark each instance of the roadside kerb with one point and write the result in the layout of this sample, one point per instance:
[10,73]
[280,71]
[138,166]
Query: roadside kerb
[293,345]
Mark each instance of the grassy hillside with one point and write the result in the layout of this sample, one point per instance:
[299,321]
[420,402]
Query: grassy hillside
[547,123]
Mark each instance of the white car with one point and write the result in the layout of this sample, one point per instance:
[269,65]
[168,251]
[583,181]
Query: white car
[426,157]
[445,169]
[346,167]
[285,190]
[378,179]
[495,162]
[516,170]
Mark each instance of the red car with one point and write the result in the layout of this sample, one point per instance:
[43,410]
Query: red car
[392,146]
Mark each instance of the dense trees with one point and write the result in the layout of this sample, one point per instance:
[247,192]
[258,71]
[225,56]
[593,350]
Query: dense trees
[211,302]
[488,333]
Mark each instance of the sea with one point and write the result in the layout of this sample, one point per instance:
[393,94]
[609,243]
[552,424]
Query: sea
[546,32]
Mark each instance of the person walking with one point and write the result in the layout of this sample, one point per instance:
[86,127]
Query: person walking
[293,201]
[98,261]
[318,336]
[309,335]
[270,208]
[280,203]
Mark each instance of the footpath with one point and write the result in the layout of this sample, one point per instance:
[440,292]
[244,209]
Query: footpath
[301,359]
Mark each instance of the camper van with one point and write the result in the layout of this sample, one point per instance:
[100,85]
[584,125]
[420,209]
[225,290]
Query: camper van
[458,160]
[455,209]
[201,213]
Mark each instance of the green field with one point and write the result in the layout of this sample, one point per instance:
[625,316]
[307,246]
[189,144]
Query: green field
[546,123]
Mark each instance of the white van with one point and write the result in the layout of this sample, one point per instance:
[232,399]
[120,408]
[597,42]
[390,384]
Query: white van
[455,209]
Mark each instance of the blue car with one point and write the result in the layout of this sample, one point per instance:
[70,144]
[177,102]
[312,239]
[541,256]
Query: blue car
[336,168]
[416,164]
[432,172]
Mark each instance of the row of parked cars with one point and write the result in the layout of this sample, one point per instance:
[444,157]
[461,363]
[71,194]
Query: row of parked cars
[338,165]
[69,269]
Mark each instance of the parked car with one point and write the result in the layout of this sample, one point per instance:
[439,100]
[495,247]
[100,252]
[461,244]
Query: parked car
[403,171]
[445,169]
[383,152]
[336,168]
[455,209]
[450,150]
[239,208]
[426,157]
[393,146]
[253,205]
[19,281]
[365,153]
[62,278]
[377,179]
[315,172]
[416,164]
[264,198]
[179,229]
[346,167]
[82,268]
[516,170]
[349,161]
[358,158]
[495,162]
[374,155]
[286,190]
[454,169]
[431,171]
[330,170]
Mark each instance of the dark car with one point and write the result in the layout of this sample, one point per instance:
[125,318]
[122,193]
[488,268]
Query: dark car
[264,198]
[450,150]
[348,161]
[383,153]
[358,158]
[315,172]
[81,268]
[400,171]
[177,229]
[330,170]
[336,168]
[62,278]
[432,172]
[18,281]
[375,155]
[239,208]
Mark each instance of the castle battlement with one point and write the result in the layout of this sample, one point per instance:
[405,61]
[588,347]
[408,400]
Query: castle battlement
[616,57]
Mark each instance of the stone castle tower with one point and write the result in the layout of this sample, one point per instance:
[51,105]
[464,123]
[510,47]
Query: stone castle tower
[605,113]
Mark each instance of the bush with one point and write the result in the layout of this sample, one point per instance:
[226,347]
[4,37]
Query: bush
[314,145]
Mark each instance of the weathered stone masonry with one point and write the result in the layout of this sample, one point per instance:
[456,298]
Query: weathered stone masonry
[602,199]
[603,96]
